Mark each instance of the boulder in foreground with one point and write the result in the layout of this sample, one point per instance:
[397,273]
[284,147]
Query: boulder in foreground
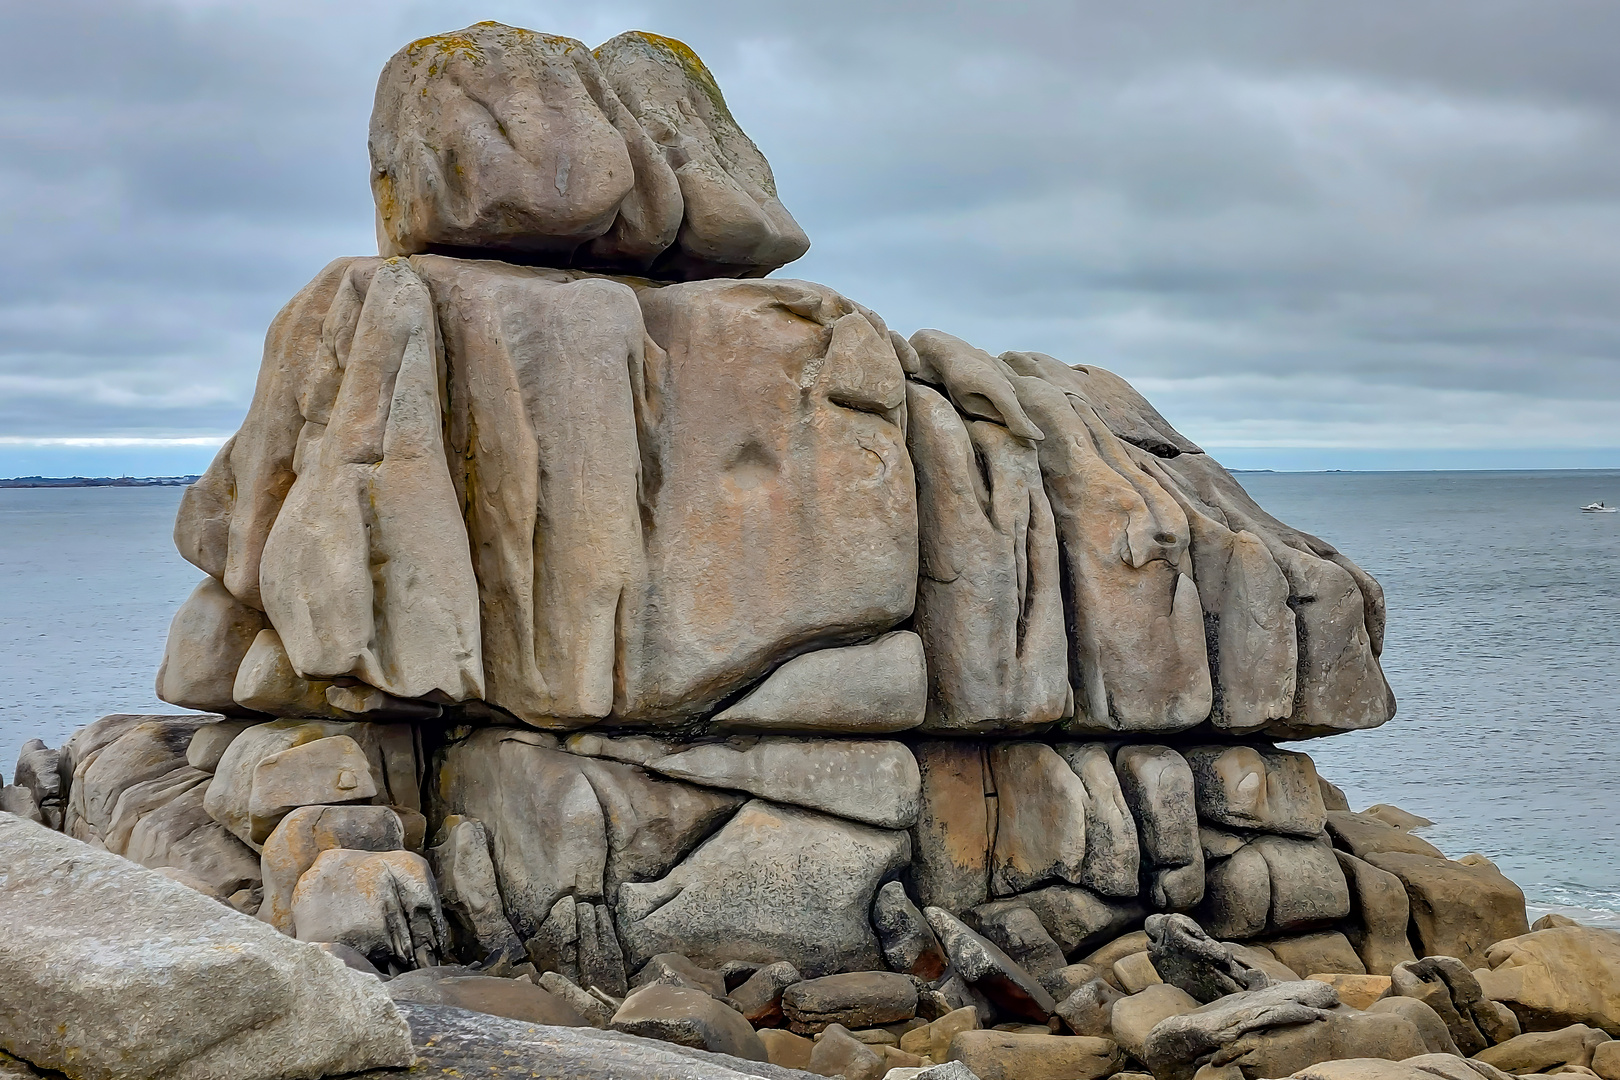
[109,971]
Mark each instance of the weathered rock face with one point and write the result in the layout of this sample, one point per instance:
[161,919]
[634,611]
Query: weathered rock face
[498,138]
[698,614]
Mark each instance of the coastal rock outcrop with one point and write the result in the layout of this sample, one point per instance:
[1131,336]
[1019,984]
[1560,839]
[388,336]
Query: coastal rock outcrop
[597,631]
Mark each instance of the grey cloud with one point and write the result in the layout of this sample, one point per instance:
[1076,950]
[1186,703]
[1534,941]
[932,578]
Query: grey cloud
[1331,224]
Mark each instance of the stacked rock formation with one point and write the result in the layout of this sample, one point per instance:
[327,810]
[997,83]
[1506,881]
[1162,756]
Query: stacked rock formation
[656,583]
[581,602]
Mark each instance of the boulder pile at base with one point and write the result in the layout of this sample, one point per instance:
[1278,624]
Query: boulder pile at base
[604,642]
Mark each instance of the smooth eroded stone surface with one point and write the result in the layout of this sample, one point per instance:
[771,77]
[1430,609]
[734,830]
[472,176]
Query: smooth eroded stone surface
[92,941]
[1017,931]
[267,683]
[856,999]
[322,772]
[39,772]
[1113,859]
[496,137]
[1458,909]
[838,1053]
[148,748]
[1187,957]
[306,832]
[514,999]
[1382,912]
[759,998]
[784,513]
[1307,886]
[1545,1051]
[1005,1055]
[20,801]
[1311,954]
[141,798]
[857,690]
[1237,894]
[775,883]
[1158,788]
[564,826]
[1041,818]
[875,781]
[1559,976]
[180,835]
[208,638]
[1246,787]
[454,1044]
[389,749]
[989,606]
[541,369]
[688,1017]
[1078,920]
[382,904]
[732,224]
[210,742]
[1357,991]
[909,943]
[1133,1017]
[1137,643]
[1177,1044]
[1430,1027]
[366,572]
[1337,608]
[1362,836]
[1447,987]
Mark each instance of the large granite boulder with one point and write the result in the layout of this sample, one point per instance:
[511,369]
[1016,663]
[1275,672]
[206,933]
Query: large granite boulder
[495,138]
[109,971]
[1558,976]
[1459,908]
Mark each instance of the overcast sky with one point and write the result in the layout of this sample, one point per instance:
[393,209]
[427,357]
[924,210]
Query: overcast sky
[1315,235]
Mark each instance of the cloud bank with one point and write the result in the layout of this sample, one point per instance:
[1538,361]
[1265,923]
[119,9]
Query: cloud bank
[1310,233]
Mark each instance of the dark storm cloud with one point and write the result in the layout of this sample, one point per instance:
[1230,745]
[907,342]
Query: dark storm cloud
[1383,224]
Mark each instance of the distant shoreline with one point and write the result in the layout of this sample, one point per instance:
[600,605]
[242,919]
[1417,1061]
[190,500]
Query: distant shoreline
[97,481]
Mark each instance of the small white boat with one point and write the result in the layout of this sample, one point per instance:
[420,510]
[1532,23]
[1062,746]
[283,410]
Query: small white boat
[1599,508]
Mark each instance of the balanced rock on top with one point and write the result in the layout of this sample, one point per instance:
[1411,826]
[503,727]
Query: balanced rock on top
[495,138]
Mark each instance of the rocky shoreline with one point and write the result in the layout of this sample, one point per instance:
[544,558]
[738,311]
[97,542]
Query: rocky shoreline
[1022,987]
[612,661]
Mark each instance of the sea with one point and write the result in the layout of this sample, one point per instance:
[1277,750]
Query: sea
[1503,647]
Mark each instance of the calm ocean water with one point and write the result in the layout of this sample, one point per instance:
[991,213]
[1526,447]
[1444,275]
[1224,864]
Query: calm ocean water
[1503,647]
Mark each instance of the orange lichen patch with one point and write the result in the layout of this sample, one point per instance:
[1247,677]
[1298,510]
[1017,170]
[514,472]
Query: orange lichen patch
[696,70]
[448,45]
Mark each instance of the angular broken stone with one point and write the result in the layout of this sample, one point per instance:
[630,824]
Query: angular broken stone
[909,944]
[989,970]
